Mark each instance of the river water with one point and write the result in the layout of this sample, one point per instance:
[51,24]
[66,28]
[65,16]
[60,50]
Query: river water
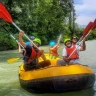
[9,81]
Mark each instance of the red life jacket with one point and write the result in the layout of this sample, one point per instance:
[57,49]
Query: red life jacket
[34,55]
[54,51]
[75,55]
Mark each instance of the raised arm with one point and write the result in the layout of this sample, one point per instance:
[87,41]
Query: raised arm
[21,33]
[83,46]
[42,55]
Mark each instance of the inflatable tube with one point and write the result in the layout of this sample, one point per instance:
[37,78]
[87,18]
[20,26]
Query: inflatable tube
[57,78]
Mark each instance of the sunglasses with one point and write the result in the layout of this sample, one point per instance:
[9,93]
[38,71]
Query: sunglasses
[68,43]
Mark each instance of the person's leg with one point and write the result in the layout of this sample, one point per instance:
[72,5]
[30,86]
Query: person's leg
[75,61]
[27,68]
[45,63]
[61,62]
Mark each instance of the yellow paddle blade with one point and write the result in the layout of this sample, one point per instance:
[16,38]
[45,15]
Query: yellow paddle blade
[13,60]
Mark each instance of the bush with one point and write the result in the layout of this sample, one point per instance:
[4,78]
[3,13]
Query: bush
[6,42]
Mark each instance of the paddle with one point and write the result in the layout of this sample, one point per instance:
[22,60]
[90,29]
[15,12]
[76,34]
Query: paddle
[88,27]
[4,14]
[94,26]
[59,38]
[91,28]
[88,30]
[12,60]
[58,41]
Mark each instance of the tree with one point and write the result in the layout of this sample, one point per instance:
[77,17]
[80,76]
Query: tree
[45,19]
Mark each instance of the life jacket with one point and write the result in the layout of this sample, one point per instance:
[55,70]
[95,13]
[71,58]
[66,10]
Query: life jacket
[34,55]
[75,55]
[53,52]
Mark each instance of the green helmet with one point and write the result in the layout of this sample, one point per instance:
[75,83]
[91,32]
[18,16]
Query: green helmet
[67,39]
[37,40]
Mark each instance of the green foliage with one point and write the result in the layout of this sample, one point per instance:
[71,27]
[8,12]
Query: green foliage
[45,19]
[92,35]
[6,43]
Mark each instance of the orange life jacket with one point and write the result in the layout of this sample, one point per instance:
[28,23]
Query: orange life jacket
[34,55]
[53,52]
[74,55]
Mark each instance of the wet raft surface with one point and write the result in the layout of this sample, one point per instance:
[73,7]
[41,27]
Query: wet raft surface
[57,78]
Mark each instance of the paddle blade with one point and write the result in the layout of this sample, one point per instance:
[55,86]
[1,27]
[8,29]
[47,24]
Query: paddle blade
[87,29]
[13,60]
[94,25]
[4,14]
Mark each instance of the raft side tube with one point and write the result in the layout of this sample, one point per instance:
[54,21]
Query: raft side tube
[54,71]
[59,83]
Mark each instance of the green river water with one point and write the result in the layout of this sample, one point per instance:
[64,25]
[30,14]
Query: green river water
[9,81]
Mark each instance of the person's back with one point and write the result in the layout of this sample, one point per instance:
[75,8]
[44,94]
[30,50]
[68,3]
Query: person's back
[53,50]
[31,57]
[32,53]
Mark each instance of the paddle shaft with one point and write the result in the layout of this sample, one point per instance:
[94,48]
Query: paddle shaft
[90,26]
[12,36]
[25,35]
[59,39]
[7,17]
[16,40]
[86,30]
[57,42]
[79,44]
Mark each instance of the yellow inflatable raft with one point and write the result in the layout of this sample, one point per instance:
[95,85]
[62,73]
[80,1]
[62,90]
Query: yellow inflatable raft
[57,78]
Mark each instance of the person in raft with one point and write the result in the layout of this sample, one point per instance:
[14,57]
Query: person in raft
[32,53]
[74,40]
[53,49]
[69,48]
[22,51]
